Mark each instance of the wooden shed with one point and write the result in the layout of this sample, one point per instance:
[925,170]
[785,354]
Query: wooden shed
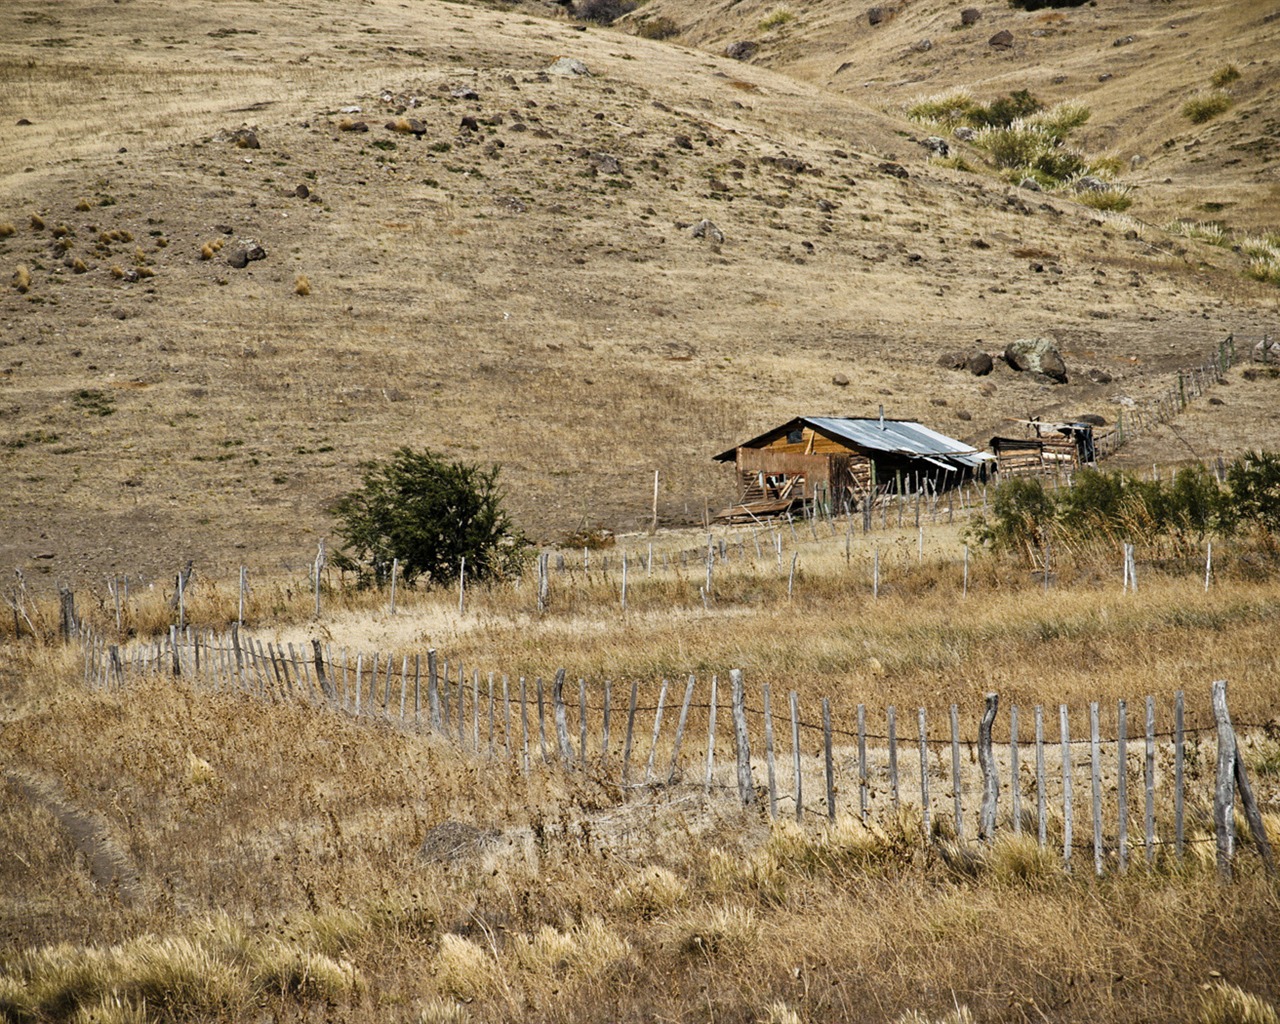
[843,462]
[1046,448]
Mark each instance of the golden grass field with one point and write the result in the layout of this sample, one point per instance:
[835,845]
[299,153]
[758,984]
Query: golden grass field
[498,291]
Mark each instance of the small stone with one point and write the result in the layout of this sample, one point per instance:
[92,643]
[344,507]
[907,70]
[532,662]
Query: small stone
[840,380]
[302,192]
[465,94]
[970,16]
[568,67]
[1002,40]
[1215,400]
[744,49]
[964,415]
[1098,376]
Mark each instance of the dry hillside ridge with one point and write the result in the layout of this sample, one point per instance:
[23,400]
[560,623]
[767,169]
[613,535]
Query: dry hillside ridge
[507,272]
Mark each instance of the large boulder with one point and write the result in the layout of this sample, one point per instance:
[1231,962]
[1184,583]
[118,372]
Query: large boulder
[1036,355]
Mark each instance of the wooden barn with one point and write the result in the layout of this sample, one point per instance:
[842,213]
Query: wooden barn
[842,462]
[1046,448]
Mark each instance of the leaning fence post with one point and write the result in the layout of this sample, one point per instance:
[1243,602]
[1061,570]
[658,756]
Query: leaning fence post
[684,718]
[746,788]
[326,685]
[990,778]
[657,729]
[1256,828]
[1224,785]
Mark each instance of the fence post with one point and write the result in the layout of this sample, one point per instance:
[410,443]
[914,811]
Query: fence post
[711,734]
[990,777]
[1179,768]
[684,717]
[1095,771]
[657,729]
[768,755]
[1066,786]
[1149,781]
[746,788]
[1015,785]
[562,725]
[1224,785]
[433,690]
[830,766]
[956,785]
[326,685]
[1122,784]
[924,774]
[862,763]
[795,755]
[1041,823]
[892,717]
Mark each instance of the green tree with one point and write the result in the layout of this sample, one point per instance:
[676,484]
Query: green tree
[429,513]
[1255,490]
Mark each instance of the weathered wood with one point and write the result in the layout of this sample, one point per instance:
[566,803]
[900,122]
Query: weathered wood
[1149,783]
[1122,786]
[1224,783]
[395,571]
[604,731]
[433,689]
[770,765]
[657,728]
[631,724]
[1095,775]
[582,721]
[1179,772]
[797,774]
[359,680]
[542,719]
[957,780]
[561,723]
[863,795]
[524,725]
[1066,786]
[891,716]
[742,742]
[1015,779]
[684,718]
[507,745]
[475,710]
[445,727]
[462,706]
[493,719]
[326,685]
[828,760]
[989,809]
[711,733]
[404,684]
[924,776]
[1252,815]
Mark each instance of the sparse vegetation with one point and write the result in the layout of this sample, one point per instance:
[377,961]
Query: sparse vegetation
[604,12]
[1206,106]
[660,27]
[776,18]
[1224,76]
[302,285]
[22,279]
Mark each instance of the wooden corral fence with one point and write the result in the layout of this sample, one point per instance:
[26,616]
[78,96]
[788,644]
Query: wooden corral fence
[1112,786]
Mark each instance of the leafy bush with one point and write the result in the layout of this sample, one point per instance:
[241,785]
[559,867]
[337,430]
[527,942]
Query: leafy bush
[429,513]
[948,109]
[1062,119]
[1114,199]
[1005,110]
[1205,107]
[1254,480]
[1021,515]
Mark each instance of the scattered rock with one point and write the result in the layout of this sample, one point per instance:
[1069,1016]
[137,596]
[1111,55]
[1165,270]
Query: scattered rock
[302,192]
[965,134]
[922,45]
[468,94]
[1215,400]
[1266,351]
[979,363]
[964,414]
[840,380]
[1091,184]
[22,122]
[744,49]
[346,125]
[349,110]
[683,142]
[1030,184]
[1036,355]
[953,360]
[455,840]
[1123,41]
[469,124]
[987,390]
[707,229]
[246,252]
[245,138]
[937,145]
[1002,40]
[897,170]
[604,163]
[940,402]
[1098,376]
[970,16]
[568,67]
[877,16]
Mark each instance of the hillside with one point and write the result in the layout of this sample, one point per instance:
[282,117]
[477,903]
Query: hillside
[515,280]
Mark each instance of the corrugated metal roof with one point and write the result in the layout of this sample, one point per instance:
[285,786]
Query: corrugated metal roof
[903,437]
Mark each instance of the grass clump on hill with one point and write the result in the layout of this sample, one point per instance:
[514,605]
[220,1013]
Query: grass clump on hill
[661,27]
[1206,106]
[776,18]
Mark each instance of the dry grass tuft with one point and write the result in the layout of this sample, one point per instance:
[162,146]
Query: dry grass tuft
[1224,1003]
[210,248]
[37,222]
[6,229]
[22,279]
[83,206]
[302,285]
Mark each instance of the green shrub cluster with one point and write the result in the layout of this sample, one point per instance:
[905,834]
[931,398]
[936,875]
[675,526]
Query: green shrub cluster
[1111,507]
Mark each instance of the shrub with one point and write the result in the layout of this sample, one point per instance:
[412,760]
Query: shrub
[603,12]
[430,514]
[1112,199]
[660,27]
[1017,146]
[777,18]
[1224,76]
[1021,514]
[1061,120]
[1005,110]
[1254,480]
[1205,107]
[302,285]
[948,109]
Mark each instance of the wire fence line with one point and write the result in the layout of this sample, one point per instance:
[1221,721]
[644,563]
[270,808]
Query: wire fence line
[1144,793]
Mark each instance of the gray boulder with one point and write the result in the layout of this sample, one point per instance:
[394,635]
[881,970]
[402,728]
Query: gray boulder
[1036,355]
[936,145]
[979,363]
[744,49]
[1002,40]
[568,67]
[970,16]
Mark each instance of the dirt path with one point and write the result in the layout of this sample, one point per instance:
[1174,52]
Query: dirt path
[110,866]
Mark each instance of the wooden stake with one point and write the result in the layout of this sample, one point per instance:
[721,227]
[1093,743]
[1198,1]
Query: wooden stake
[988,812]
[829,761]
[742,743]
[924,776]
[795,755]
[1095,771]
[768,755]
[1066,786]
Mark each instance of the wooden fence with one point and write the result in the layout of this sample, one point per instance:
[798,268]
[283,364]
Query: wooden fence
[1091,782]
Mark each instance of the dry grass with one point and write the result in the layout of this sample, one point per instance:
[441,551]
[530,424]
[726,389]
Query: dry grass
[294,881]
